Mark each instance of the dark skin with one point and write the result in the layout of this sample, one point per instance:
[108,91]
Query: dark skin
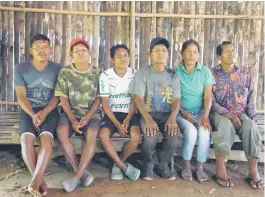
[37,163]
[80,54]
[120,62]
[228,60]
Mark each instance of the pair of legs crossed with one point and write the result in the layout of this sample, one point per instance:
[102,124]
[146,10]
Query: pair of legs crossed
[107,129]
[37,162]
[64,132]
[223,138]
[192,133]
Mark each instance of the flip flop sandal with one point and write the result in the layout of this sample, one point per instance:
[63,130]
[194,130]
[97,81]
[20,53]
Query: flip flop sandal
[44,188]
[186,173]
[34,192]
[215,178]
[249,179]
[201,175]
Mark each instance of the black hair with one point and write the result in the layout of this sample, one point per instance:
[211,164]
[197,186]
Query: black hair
[219,49]
[116,47]
[39,37]
[187,43]
[160,42]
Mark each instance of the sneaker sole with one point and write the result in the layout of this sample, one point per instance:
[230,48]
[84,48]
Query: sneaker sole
[137,175]
[87,182]
[116,178]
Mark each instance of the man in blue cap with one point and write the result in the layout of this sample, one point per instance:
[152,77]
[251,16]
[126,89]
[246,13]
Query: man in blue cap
[156,92]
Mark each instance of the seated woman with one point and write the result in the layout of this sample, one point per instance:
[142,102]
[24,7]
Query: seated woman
[196,100]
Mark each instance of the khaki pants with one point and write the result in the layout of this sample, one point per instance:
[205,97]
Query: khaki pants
[224,133]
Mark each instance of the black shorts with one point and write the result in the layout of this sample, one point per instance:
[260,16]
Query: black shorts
[120,116]
[94,123]
[48,126]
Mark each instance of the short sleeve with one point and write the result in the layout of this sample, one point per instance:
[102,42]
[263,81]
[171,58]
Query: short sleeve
[104,85]
[176,88]
[209,79]
[18,77]
[138,85]
[61,88]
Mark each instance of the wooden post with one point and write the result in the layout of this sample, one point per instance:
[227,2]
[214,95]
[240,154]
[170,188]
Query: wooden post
[40,4]
[22,34]
[46,19]
[146,38]
[73,21]
[159,21]
[58,34]
[16,35]
[102,36]
[199,27]
[66,35]
[10,53]
[212,36]
[28,19]
[207,31]
[118,26]
[260,96]
[95,37]
[137,36]
[79,19]
[4,53]
[52,28]
[218,30]
[254,45]
[132,34]
[107,38]
[153,23]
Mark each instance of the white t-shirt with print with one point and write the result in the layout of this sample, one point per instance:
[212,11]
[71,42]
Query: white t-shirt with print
[117,89]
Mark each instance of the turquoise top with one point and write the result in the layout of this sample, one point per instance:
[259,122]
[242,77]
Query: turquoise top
[192,86]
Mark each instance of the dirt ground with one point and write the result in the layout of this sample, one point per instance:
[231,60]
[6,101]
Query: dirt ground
[14,178]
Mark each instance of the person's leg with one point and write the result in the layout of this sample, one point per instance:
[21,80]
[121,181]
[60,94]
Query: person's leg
[251,141]
[223,138]
[189,132]
[135,137]
[44,155]
[203,147]
[66,144]
[164,155]
[110,149]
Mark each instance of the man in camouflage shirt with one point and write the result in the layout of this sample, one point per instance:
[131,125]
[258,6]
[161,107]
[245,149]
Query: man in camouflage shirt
[77,88]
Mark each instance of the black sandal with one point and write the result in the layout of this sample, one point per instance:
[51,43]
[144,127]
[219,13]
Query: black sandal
[215,178]
[249,179]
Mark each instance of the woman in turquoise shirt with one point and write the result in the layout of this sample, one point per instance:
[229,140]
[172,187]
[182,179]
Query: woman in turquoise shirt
[196,100]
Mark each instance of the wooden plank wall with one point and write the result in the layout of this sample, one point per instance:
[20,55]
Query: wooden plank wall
[17,28]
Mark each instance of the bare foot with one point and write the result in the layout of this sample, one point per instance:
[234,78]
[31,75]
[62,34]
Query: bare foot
[33,188]
[43,188]
[255,181]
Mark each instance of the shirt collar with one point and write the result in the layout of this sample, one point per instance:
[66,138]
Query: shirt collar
[235,67]
[198,66]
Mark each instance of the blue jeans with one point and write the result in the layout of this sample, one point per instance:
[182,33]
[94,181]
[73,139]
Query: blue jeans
[192,132]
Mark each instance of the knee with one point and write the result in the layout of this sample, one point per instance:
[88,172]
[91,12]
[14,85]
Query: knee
[92,134]
[46,139]
[203,134]
[104,134]
[221,121]
[172,140]
[248,125]
[150,141]
[27,140]
[135,135]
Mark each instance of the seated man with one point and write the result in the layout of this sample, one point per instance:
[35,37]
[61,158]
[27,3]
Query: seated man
[234,113]
[120,112]
[77,87]
[34,85]
[156,91]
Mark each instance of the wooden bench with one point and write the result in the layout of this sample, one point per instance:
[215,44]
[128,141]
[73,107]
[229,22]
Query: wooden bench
[9,134]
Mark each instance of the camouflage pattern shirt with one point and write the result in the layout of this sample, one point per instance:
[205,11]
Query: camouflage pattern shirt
[79,87]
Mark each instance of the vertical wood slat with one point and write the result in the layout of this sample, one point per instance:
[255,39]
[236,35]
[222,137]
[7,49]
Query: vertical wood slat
[52,28]
[28,18]
[137,35]
[46,19]
[39,26]
[102,36]
[211,53]
[132,33]
[10,53]
[199,25]
[254,44]
[34,30]
[219,31]
[260,95]
[22,17]
[141,36]
[207,31]
[4,54]
[113,25]
[146,34]
[58,34]
[175,52]
[95,37]
[159,21]
[107,38]
[16,35]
